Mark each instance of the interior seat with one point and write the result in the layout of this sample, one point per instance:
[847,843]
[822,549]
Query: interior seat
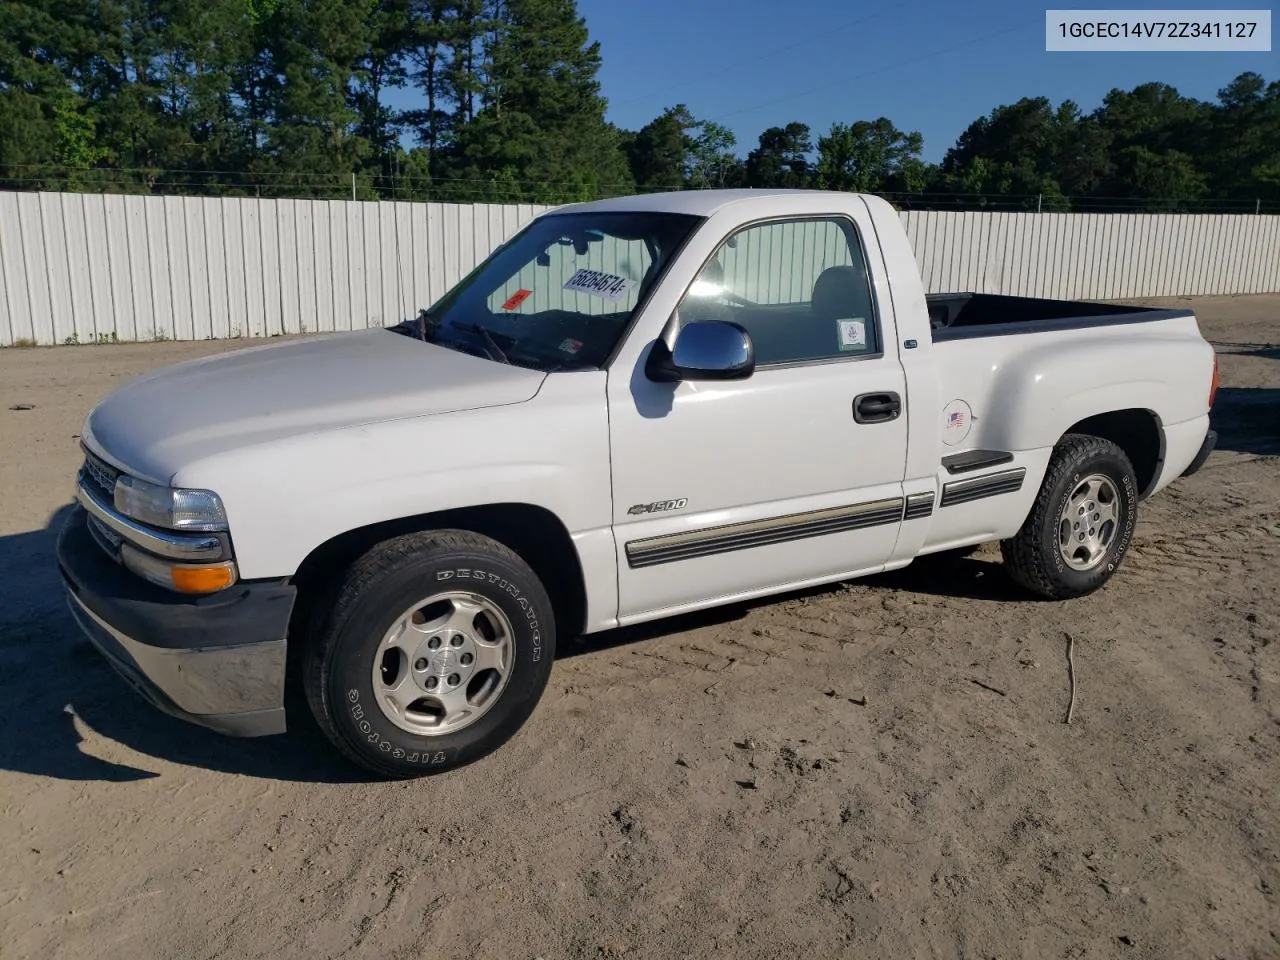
[841,293]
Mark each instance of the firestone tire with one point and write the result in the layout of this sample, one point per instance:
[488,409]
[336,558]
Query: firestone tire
[344,665]
[1039,557]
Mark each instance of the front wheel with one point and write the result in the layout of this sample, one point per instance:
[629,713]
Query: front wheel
[434,653]
[1081,524]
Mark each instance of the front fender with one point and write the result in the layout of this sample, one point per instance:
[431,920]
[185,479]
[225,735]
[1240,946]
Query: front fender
[285,498]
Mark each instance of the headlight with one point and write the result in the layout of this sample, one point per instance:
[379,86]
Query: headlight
[169,508]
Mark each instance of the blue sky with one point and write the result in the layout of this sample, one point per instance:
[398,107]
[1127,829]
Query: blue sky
[928,65]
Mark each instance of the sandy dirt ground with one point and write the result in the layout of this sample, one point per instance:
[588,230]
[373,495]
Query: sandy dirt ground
[878,769]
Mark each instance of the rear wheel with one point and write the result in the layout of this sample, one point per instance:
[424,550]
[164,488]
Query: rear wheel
[1081,524]
[434,653]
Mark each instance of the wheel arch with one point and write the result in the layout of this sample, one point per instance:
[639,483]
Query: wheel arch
[536,534]
[1139,433]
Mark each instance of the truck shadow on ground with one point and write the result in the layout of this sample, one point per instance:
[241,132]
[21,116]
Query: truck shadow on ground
[1267,351]
[66,714]
[950,574]
[1248,420]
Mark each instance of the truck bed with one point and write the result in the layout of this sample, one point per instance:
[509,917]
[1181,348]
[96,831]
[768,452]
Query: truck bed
[960,316]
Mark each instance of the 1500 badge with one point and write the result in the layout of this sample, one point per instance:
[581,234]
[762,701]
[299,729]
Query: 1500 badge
[662,506]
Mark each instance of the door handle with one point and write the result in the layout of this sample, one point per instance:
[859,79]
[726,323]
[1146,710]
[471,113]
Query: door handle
[876,407]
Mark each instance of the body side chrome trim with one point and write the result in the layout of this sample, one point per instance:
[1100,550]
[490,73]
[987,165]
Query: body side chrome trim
[173,546]
[976,488]
[919,506]
[758,533]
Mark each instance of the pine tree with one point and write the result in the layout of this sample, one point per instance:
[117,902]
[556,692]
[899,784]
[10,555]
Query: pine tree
[381,68]
[47,136]
[1244,156]
[659,153]
[313,48]
[540,133]
[782,158]
[869,156]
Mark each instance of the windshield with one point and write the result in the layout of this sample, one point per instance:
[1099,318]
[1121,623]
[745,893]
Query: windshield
[559,294]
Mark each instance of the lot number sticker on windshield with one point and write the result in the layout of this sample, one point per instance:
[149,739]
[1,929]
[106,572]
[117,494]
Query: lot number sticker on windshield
[853,334]
[600,284]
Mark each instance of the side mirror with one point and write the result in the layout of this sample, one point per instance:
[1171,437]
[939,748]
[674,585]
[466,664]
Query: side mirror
[705,350]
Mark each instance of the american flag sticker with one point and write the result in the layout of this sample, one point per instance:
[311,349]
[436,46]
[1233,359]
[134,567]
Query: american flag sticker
[957,421]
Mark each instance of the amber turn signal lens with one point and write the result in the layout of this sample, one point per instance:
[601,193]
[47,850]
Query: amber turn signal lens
[203,579]
[186,578]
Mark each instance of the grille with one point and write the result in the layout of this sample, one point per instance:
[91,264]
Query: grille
[101,475]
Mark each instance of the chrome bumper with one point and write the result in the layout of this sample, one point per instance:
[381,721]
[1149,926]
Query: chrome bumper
[237,690]
[216,660]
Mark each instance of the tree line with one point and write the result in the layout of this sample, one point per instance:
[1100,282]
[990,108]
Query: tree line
[292,98]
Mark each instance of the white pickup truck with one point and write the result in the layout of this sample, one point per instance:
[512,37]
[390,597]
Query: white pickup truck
[633,408]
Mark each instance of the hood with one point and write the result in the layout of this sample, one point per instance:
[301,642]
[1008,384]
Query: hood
[161,422]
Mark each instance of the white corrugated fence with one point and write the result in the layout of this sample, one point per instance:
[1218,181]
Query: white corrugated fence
[1096,256]
[83,268]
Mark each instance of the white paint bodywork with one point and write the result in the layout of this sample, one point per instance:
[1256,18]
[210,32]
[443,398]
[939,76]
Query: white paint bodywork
[306,441]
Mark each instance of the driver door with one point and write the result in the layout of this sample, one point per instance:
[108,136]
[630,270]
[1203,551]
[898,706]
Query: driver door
[732,488]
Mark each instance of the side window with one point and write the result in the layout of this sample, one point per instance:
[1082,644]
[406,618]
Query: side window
[800,288]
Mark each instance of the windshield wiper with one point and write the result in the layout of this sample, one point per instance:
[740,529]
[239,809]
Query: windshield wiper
[416,328]
[422,324]
[487,337]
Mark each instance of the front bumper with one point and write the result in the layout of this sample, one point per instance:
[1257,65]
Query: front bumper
[217,660]
[1206,448]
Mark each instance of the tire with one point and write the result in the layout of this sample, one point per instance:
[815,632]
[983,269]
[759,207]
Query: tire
[367,659]
[1036,556]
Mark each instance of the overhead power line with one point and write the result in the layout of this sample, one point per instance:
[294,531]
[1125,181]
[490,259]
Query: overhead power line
[756,58]
[31,174]
[870,73]
[418,187]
